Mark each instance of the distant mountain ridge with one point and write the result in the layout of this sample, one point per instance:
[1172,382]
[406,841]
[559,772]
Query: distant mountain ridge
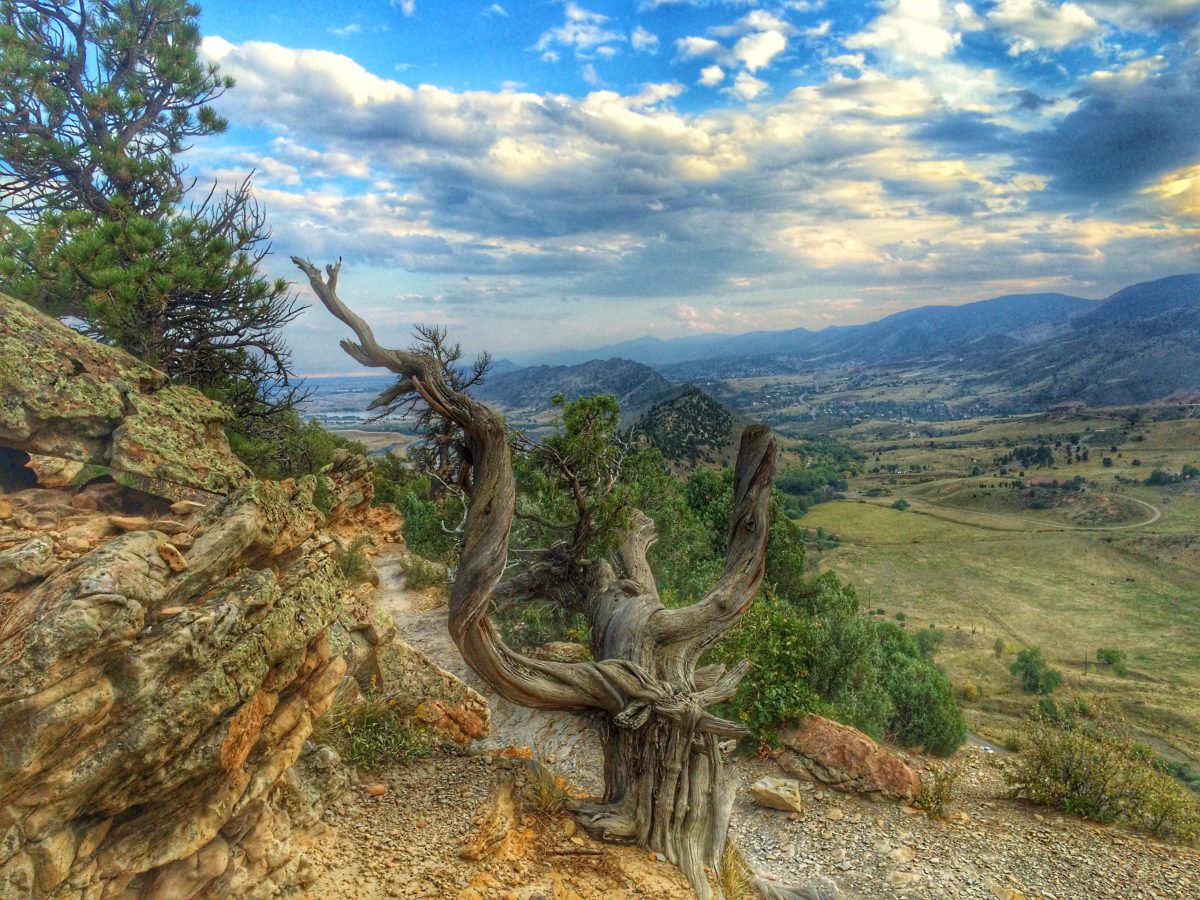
[1139,344]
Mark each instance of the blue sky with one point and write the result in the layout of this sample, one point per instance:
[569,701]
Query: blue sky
[551,174]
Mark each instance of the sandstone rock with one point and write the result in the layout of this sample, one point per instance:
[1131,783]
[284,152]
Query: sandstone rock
[376,790]
[172,557]
[129,523]
[26,562]
[778,793]
[168,526]
[53,472]
[844,758]
[76,399]
[186,507]
[6,509]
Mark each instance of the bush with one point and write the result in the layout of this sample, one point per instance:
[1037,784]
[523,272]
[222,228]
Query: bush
[928,641]
[372,734]
[1092,770]
[820,653]
[423,531]
[940,790]
[968,692]
[1114,659]
[1034,672]
[420,573]
[354,563]
[901,504]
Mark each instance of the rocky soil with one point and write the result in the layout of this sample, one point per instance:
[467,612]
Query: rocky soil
[405,842]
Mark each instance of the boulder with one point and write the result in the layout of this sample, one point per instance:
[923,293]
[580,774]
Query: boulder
[778,793]
[75,399]
[845,759]
[26,562]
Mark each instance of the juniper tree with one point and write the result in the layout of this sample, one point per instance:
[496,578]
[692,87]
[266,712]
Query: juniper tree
[664,771]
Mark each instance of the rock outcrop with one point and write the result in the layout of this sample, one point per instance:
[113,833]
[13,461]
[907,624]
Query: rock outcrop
[845,759]
[74,399]
[162,664]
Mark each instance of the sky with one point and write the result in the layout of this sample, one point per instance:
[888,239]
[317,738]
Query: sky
[547,174]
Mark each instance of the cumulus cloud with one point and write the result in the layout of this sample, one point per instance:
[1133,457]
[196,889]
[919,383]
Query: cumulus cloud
[910,30]
[408,7]
[1032,25]
[758,39]
[869,177]
[346,30]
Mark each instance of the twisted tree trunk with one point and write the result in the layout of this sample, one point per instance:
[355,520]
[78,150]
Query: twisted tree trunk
[663,770]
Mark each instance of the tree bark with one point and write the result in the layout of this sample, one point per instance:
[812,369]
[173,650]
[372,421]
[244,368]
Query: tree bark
[665,788]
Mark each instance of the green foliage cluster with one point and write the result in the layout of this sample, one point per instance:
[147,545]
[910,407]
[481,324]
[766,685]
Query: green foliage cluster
[1115,659]
[424,531]
[1090,768]
[828,464]
[816,651]
[1034,673]
[372,734]
[421,573]
[285,446]
[901,504]
[1159,478]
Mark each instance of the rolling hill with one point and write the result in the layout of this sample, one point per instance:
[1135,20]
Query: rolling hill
[687,424]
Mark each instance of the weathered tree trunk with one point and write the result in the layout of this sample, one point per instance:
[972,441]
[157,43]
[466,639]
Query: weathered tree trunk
[663,769]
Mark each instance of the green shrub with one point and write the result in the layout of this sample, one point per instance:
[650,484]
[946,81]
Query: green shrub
[420,573]
[423,531]
[373,734]
[901,504]
[821,653]
[929,641]
[940,790]
[322,499]
[354,563]
[1114,659]
[1091,769]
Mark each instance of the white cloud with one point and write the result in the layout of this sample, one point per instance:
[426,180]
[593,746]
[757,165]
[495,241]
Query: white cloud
[909,30]
[746,87]
[1032,25]
[496,10]
[408,7]
[583,31]
[346,30]
[641,39]
[711,76]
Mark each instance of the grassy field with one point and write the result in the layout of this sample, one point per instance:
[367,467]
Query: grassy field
[979,566]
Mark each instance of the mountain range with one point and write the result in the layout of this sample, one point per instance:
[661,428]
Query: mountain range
[1139,344]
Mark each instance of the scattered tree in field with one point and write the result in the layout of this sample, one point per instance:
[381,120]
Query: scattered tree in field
[98,99]
[664,782]
[1114,659]
[998,648]
[1034,672]
[900,504]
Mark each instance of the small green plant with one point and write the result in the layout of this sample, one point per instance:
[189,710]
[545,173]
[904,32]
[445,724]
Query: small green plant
[544,793]
[372,734]
[354,563]
[998,648]
[940,790]
[901,504]
[737,878]
[322,499]
[420,573]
